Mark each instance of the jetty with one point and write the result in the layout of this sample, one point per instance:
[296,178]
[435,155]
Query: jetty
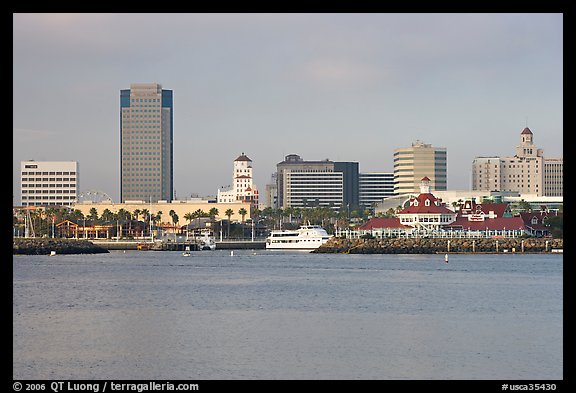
[50,246]
[338,245]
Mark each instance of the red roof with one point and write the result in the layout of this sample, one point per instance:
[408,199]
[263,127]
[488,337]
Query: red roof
[498,208]
[382,222]
[491,224]
[425,178]
[526,131]
[242,157]
[540,218]
[423,209]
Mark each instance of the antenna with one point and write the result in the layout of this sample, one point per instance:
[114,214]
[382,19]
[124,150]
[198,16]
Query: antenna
[526,121]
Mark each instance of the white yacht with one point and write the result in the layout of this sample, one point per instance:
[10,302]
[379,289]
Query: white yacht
[307,237]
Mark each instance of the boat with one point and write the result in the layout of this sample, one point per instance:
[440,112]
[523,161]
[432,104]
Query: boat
[143,246]
[206,240]
[186,252]
[306,237]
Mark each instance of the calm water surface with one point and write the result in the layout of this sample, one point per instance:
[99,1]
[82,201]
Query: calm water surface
[287,315]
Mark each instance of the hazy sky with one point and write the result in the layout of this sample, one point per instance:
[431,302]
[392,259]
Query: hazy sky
[343,86]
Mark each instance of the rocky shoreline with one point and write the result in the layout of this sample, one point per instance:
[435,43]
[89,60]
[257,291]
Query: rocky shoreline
[434,246]
[33,246]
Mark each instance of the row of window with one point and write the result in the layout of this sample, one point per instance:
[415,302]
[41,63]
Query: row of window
[46,197]
[72,191]
[135,100]
[46,185]
[425,219]
[47,173]
[48,179]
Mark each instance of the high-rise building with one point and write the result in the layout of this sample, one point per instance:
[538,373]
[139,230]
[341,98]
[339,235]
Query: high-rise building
[421,160]
[146,138]
[375,186]
[243,188]
[527,172]
[49,183]
[316,183]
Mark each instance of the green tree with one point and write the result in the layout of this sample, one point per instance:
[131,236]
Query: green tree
[107,215]
[556,225]
[189,217]
[228,213]
[243,213]
[524,206]
[213,213]
[92,214]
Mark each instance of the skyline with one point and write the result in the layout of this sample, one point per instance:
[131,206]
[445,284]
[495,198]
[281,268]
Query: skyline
[347,87]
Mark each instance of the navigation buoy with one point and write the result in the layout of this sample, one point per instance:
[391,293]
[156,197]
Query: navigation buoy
[232,253]
[446,258]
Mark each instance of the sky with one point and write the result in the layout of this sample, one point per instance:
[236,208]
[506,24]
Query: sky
[338,86]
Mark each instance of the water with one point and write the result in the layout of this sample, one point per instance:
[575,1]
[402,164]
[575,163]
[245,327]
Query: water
[287,315]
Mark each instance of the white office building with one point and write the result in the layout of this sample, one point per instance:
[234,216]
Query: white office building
[49,183]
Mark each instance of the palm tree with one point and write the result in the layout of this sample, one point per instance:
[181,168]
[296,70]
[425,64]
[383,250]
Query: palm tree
[228,213]
[175,219]
[137,213]
[107,215]
[188,217]
[243,213]
[213,213]
[93,214]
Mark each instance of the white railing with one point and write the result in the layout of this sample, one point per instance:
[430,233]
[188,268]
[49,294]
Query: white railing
[452,234]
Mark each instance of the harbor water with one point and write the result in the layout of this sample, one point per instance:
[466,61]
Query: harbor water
[259,314]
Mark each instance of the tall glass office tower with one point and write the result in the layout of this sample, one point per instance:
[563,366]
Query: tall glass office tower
[146,137]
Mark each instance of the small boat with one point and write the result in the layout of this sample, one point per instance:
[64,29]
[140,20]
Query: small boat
[186,252]
[52,253]
[143,246]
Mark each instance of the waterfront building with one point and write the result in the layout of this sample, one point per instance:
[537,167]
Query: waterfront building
[413,163]
[323,183]
[428,215]
[49,183]
[243,188]
[527,172]
[146,143]
[426,212]
[374,187]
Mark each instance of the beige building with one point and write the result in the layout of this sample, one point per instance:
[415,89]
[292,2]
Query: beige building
[179,207]
[527,172]
[49,183]
[420,160]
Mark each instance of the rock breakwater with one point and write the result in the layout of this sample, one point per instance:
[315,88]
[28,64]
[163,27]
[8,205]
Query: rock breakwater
[27,246]
[437,245]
